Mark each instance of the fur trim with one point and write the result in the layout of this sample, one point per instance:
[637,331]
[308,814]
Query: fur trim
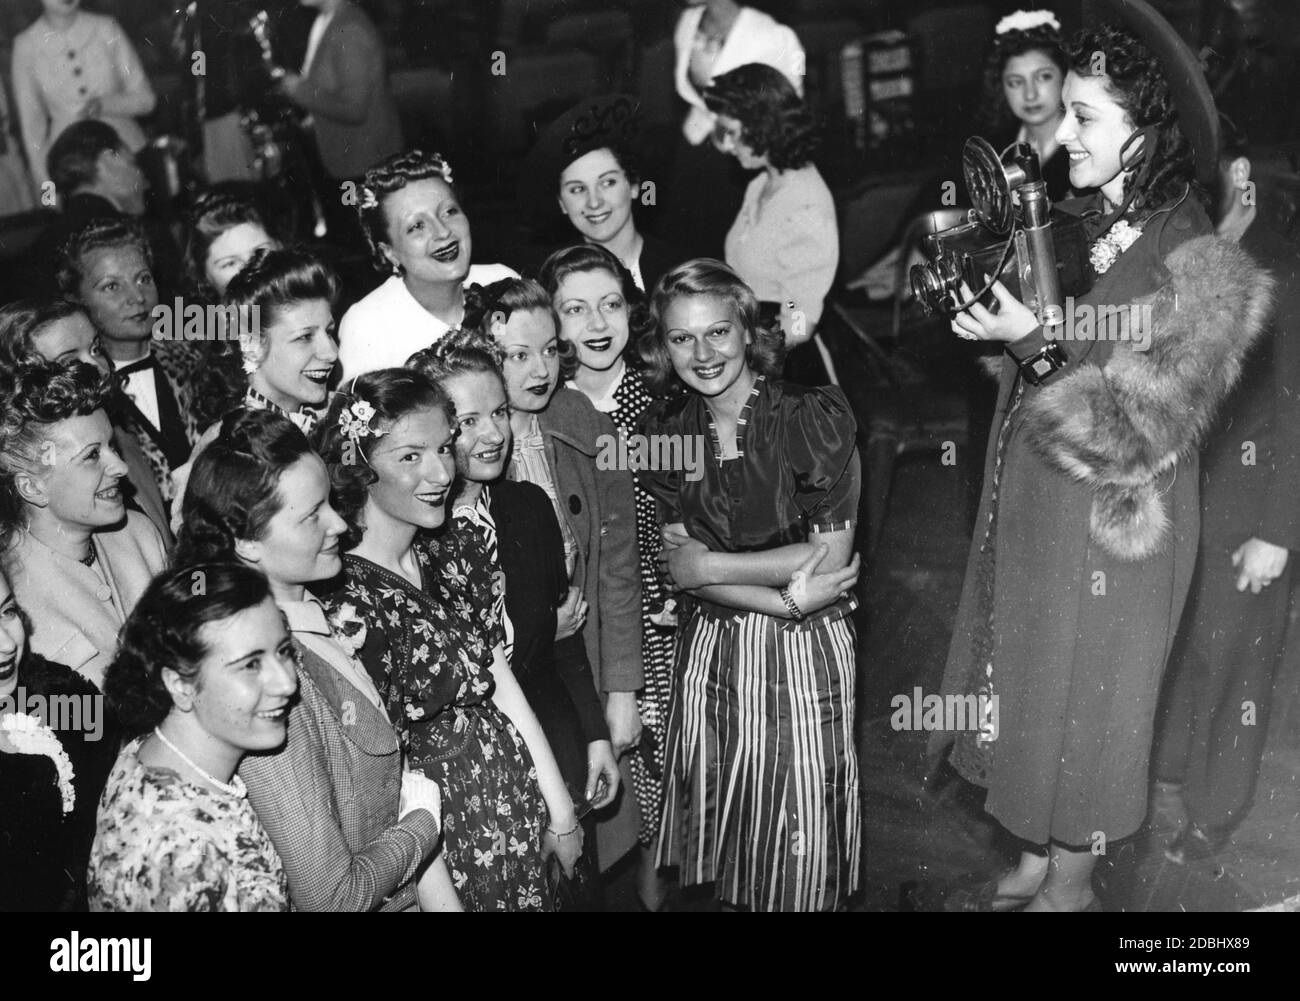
[1118,428]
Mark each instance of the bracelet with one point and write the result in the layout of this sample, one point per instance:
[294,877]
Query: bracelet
[1043,363]
[795,612]
[567,834]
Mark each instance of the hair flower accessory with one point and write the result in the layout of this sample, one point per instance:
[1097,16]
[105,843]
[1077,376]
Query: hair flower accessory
[1027,20]
[354,420]
[30,736]
[249,353]
[368,199]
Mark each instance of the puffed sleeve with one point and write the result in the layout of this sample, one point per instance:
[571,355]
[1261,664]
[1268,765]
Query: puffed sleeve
[821,448]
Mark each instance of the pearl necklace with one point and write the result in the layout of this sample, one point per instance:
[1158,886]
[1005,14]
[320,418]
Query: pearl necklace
[235,788]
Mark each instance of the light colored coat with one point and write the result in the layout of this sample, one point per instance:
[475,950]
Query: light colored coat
[75,616]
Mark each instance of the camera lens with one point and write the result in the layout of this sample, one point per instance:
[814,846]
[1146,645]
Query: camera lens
[927,286]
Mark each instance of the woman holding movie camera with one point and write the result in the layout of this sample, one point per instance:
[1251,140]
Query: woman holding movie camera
[1086,535]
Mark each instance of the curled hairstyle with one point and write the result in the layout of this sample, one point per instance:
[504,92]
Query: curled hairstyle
[234,487]
[462,351]
[214,213]
[774,121]
[386,177]
[586,257]
[995,115]
[277,278]
[1136,82]
[705,276]
[97,234]
[164,630]
[393,393]
[495,303]
[34,398]
[21,321]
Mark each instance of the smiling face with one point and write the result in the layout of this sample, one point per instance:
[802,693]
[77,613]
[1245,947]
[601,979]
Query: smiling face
[416,463]
[118,291]
[1032,85]
[13,639]
[1093,132]
[246,680]
[596,195]
[301,541]
[483,418]
[70,340]
[78,481]
[706,343]
[532,364]
[593,317]
[231,251]
[428,233]
[298,353]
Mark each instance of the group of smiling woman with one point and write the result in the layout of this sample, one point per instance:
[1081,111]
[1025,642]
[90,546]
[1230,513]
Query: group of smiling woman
[377,625]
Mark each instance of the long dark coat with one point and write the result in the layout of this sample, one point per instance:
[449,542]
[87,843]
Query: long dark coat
[1080,637]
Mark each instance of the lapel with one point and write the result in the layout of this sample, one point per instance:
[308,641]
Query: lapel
[690,24]
[360,722]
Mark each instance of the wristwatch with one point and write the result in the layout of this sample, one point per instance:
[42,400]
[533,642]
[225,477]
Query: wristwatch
[1042,364]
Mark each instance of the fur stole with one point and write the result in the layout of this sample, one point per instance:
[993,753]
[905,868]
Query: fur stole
[1118,428]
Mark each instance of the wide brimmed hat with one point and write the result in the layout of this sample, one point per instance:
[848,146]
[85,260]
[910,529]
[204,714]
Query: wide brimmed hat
[604,121]
[1197,115]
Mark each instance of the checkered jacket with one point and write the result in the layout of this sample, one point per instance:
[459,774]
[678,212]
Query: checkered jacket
[329,801]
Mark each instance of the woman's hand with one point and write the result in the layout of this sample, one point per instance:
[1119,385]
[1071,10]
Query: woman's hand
[814,591]
[1258,564]
[564,841]
[419,792]
[602,774]
[624,722]
[682,562]
[1012,321]
[571,615]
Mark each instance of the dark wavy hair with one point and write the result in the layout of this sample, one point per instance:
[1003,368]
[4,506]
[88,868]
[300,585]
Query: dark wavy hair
[381,180]
[212,214]
[774,121]
[995,116]
[97,234]
[393,393]
[705,276]
[486,304]
[73,159]
[34,398]
[1136,81]
[273,280]
[234,487]
[21,321]
[586,257]
[164,630]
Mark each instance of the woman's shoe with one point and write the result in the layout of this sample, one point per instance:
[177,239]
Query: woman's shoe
[1196,844]
[985,898]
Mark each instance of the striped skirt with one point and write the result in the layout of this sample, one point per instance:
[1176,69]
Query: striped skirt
[761,781]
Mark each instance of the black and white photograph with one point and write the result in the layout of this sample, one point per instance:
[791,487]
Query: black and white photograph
[651,456]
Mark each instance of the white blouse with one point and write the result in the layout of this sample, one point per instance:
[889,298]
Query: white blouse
[388,326]
[56,72]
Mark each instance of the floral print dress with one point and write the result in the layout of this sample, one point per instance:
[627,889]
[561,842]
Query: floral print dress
[430,651]
[165,844]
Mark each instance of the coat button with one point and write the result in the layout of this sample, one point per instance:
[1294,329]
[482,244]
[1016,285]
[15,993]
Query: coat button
[575,504]
[103,593]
